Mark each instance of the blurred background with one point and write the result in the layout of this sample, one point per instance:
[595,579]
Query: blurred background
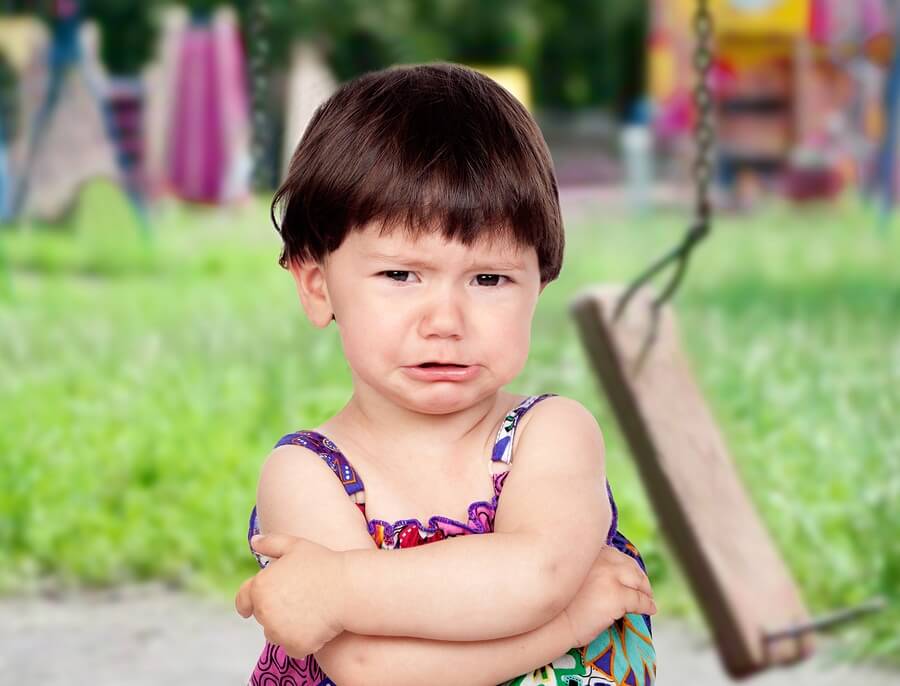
[152,352]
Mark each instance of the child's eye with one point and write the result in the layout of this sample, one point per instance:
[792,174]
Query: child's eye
[492,277]
[391,272]
[403,276]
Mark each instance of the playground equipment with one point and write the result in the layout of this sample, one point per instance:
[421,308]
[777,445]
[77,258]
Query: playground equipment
[59,131]
[208,158]
[798,89]
[885,181]
[8,121]
[744,589]
[310,83]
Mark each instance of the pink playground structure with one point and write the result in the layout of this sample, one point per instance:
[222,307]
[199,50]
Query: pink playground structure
[208,143]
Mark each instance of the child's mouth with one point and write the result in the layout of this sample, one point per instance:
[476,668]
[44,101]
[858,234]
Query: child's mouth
[443,371]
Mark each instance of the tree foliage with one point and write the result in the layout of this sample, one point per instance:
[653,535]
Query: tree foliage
[128,32]
[579,53]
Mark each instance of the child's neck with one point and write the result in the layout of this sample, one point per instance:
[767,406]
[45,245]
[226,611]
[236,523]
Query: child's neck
[389,433]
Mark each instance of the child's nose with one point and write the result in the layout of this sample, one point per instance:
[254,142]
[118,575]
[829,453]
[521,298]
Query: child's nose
[443,315]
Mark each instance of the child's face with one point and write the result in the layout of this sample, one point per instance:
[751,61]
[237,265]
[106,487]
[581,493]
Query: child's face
[399,303]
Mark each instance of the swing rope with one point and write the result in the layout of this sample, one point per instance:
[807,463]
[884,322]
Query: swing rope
[704,137]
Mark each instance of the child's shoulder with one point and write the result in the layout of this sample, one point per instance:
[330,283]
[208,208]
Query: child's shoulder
[557,413]
[303,455]
[552,420]
[303,488]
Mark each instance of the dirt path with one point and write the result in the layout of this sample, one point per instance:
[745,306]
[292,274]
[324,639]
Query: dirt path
[148,635]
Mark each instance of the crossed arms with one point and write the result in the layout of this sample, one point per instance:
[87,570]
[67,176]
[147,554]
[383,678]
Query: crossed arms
[487,605]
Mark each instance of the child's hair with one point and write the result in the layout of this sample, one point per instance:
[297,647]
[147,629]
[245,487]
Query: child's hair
[421,146]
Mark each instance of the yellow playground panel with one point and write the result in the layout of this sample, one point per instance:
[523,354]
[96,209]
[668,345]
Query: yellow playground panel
[19,37]
[514,79]
[750,33]
[754,18]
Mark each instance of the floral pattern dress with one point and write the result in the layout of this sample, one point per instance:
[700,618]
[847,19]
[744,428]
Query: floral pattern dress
[623,654]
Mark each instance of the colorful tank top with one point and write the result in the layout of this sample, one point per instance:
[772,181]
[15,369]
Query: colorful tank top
[622,654]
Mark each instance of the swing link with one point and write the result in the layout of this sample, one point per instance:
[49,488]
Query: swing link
[702,175]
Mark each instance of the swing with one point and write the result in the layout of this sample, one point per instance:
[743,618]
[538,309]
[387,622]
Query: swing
[745,591]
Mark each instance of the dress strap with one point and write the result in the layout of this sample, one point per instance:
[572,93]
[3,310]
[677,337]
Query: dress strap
[334,458]
[353,485]
[503,445]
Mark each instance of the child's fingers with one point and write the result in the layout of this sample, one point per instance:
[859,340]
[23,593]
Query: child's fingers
[242,601]
[612,555]
[632,575]
[639,603]
[637,580]
[272,546]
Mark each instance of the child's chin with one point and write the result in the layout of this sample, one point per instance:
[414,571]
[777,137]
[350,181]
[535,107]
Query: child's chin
[441,398]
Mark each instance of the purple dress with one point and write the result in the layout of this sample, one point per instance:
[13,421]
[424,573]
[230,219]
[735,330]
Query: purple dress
[622,654]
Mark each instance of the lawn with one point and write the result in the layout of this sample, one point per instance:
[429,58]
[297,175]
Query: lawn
[144,379]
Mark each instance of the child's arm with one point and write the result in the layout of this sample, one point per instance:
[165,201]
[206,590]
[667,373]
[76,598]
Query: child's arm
[328,517]
[404,661]
[551,523]
[469,587]
[615,586]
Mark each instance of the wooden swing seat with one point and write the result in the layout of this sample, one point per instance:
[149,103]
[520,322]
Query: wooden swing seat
[744,589]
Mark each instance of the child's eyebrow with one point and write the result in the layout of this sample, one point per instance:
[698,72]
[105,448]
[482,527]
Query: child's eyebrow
[415,262]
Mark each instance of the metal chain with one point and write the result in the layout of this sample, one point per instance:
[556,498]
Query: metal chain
[704,138]
[258,20]
[704,134]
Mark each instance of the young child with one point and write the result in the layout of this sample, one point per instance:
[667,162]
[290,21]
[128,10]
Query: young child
[421,215]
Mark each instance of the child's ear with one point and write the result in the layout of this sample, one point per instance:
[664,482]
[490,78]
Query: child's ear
[309,277]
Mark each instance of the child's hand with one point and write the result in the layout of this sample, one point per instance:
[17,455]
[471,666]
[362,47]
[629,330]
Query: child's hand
[614,587]
[297,597]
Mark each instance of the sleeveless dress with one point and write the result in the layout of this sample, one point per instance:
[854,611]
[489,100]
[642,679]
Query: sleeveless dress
[622,654]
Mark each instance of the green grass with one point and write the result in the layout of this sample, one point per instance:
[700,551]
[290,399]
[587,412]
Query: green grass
[142,382]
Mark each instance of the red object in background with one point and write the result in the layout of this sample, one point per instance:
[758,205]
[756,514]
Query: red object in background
[125,99]
[808,183]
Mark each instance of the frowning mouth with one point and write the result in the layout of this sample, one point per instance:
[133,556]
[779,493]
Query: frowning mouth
[447,371]
[441,364]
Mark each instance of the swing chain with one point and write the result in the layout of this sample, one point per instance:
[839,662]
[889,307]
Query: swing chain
[704,133]
[258,23]
[704,137]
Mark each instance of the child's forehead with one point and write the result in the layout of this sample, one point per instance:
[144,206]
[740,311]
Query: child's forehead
[370,242]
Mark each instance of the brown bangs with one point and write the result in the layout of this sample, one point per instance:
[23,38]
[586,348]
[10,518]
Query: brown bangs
[435,147]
